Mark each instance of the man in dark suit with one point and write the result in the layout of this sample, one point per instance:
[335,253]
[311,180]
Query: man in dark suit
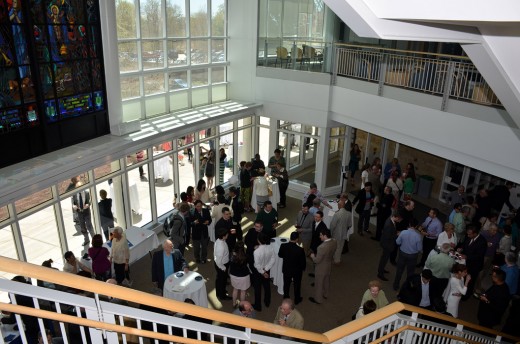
[365,200]
[384,210]
[293,266]
[81,208]
[200,219]
[412,290]
[160,270]
[234,232]
[473,249]
[387,242]
[236,205]
[251,241]
[317,226]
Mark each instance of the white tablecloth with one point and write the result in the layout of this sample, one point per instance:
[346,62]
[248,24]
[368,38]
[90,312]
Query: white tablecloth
[211,231]
[275,198]
[186,286]
[161,167]
[276,271]
[141,242]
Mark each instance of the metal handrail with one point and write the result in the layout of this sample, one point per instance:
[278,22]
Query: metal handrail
[443,75]
[97,287]
[415,52]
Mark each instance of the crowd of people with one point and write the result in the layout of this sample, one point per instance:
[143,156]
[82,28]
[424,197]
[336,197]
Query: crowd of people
[454,257]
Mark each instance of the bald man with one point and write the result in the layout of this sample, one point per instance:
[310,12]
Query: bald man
[166,262]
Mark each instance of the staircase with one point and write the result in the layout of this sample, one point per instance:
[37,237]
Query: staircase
[88,316]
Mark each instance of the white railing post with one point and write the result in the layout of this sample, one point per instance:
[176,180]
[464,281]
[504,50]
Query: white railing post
[448,83]
[382,73]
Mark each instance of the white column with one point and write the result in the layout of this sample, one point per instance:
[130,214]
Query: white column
[322,155]
[107,19]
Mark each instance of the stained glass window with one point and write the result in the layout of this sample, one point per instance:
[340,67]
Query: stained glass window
[63,39]
[17,93]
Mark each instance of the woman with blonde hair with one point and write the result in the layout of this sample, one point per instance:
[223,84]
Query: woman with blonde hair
[375,294]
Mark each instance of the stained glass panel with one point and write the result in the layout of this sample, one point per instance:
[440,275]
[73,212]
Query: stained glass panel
[40,40]
[65,38]
[37,12]
[97,77]
[46,81]
[50,111]
[10,120]
[63,79]
[27,85]
[75,105]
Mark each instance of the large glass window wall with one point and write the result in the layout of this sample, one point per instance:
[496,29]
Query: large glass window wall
[172,55]
[142,187]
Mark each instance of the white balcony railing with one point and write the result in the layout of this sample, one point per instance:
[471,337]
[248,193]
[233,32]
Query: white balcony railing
[444,75]
[86,318]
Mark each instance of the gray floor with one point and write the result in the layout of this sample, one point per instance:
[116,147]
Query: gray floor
[348,281]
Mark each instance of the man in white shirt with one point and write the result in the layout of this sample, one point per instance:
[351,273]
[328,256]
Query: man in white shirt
[264,260]
[221,259]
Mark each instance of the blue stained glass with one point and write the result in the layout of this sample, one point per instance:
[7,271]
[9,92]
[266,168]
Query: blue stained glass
[6,47]
[99,100]
[50,111]
[75,105]
[15,12]
[10,120]
[31,114]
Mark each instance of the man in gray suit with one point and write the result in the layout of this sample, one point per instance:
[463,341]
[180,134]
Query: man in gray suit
[323,261]
[339,226]
[303,226]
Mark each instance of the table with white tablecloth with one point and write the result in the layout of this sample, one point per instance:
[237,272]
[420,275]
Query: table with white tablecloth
[276,271]
[274,198]
[180,286]
[141,241]
[161,167]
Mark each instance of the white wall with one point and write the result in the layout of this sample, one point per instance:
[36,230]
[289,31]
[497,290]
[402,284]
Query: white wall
[304,100]
[242,18]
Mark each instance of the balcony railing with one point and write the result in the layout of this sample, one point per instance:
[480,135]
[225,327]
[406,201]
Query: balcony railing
[444,75]
[96,321]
